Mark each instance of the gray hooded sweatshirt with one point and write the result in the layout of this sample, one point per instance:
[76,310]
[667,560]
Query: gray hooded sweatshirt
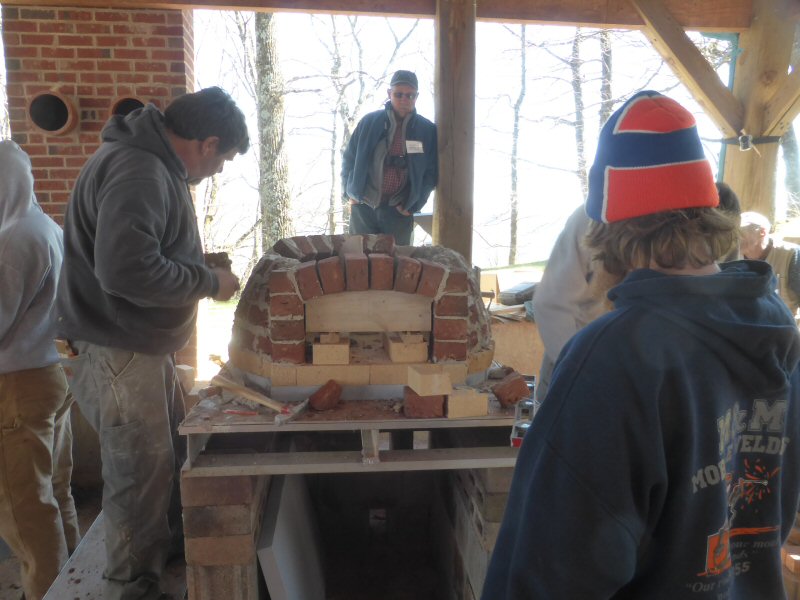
[133,262]
[30,260]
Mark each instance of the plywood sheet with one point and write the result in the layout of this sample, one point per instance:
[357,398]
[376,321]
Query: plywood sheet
[356,312]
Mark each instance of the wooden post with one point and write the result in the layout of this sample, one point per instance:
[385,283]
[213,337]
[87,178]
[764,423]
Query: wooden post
[455,121]
[761,70]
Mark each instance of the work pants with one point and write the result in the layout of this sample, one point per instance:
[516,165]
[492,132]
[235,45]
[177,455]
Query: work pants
[37,512]
[134,402]
[384,219]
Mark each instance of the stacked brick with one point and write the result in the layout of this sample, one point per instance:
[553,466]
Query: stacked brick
[93,57]
[474,503]
[222,522]
[269,319]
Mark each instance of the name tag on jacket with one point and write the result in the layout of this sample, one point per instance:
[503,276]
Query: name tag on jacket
[414,147]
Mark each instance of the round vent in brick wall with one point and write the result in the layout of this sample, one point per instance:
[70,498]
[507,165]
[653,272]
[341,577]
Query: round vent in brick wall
[124,105]
[53,112]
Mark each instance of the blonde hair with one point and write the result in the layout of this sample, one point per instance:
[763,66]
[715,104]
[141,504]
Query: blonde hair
[676,239]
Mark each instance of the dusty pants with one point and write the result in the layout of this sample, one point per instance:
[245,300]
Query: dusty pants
[37,512]
[134,402]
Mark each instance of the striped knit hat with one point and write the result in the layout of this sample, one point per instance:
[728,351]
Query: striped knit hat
[649,160]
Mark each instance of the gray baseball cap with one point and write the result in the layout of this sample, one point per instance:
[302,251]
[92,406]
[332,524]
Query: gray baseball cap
[404,78]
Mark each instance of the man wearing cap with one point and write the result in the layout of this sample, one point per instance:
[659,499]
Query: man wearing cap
[664,462]
[390,165]
[757,244]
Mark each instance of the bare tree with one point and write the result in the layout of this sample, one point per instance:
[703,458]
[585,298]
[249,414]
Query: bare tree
[523,76]
[606,97]
[273,185]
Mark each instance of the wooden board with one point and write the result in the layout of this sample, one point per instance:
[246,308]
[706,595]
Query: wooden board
[355,312]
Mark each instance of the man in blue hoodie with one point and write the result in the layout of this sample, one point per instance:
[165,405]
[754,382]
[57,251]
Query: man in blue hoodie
[127,301]
[391,164]
[664,463]
[37,512]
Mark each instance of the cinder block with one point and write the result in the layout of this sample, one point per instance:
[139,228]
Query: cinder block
[467,402]
[234,582]
[214,521]
[429,380]
[405,352]
[332,354]
[208,491]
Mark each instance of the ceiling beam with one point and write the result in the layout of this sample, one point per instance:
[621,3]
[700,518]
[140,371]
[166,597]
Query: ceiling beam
[705,15]
[670,40]
[784,106]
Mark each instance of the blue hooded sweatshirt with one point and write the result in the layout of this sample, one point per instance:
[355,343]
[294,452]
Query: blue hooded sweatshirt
[30,260]
[665,462]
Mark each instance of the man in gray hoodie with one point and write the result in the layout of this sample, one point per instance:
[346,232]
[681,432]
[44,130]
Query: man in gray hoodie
[37,512]
[132,276]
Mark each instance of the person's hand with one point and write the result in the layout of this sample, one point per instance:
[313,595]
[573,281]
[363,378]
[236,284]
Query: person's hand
[228,284]
[402,211]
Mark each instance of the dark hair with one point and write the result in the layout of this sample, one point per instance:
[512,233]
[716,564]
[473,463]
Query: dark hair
[673,239]
[209,112]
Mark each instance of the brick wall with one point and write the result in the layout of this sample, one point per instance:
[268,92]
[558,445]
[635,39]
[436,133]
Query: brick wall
[93,58]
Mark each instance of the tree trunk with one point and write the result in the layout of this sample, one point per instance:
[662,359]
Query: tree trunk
[579,123]
[791,158]
[523,73]
[273,181]
[606,97]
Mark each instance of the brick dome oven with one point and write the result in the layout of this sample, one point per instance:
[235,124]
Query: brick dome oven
[360,310]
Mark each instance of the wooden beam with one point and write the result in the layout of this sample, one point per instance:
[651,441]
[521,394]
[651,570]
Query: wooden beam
[784,106]
[761,71]
[707,15]
[670,40]
[455,123]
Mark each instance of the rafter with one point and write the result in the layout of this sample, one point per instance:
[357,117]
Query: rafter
[691,67]
[707,15]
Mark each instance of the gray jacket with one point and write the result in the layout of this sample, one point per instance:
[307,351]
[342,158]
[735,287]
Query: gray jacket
[133,262]
[30,260]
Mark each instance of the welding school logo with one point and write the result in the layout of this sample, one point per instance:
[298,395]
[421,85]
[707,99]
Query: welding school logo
[742,495]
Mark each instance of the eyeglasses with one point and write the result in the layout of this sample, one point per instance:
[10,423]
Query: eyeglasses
[409,95]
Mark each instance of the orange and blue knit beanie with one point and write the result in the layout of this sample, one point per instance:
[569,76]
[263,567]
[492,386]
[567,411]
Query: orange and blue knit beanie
[649,160]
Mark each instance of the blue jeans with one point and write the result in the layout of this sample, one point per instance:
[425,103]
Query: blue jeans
[134,402]
[384,219]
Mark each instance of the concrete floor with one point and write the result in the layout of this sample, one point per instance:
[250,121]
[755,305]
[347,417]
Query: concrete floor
[88,505]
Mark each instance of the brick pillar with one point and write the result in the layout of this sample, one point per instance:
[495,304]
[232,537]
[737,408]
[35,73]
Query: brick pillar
[94,57]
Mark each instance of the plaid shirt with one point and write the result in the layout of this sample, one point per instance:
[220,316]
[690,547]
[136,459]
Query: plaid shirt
[394,178]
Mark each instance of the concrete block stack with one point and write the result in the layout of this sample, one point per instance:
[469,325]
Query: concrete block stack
[222,522]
